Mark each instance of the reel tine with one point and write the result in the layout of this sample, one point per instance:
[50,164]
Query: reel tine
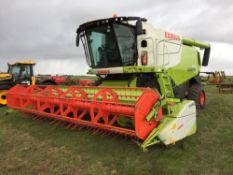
[74,127]
[96,131]
[69,125]
[53,121]
[35,118]
[57,123]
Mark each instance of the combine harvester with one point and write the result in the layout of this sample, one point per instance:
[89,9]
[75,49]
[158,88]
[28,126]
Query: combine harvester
[148,87]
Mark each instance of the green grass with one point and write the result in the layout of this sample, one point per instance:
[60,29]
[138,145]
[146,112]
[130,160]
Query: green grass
[229,79]
[35,147]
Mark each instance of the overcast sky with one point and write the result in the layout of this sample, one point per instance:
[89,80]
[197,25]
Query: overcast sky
[45,30]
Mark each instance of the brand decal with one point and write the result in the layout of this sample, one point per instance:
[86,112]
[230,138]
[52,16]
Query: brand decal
[103,72]
[181,126]
[172,36]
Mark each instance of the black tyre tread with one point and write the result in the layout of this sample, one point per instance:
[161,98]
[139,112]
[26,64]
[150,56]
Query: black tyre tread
[48,83]
[194,94]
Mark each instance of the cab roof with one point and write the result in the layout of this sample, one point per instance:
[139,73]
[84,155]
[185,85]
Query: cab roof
[98,22]
[22,63]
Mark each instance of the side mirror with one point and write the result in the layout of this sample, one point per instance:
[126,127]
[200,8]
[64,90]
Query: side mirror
[206,57]
[77,40]
[139,29]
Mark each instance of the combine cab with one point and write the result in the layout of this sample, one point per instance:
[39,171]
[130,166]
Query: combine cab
[148,87]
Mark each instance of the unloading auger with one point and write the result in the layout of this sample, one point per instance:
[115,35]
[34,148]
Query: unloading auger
[147,89]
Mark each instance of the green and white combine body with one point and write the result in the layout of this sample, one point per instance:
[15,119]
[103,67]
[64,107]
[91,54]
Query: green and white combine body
[169,57]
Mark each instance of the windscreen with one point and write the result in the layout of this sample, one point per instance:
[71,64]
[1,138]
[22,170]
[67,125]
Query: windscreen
[110,45]
[20,71]
[15,70]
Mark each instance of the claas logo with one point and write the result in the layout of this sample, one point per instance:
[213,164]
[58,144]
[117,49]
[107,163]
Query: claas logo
[172,36]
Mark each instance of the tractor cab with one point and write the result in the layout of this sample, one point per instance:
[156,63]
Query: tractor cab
[22,72]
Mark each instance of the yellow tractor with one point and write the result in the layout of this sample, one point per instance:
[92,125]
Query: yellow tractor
[20,72]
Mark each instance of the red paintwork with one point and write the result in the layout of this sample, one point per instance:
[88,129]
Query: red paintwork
[202,98]
[85,82]
[144,58]
[103,106]
[58,79]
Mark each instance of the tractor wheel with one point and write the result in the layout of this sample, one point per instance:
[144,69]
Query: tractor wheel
[197,94]
[3,101]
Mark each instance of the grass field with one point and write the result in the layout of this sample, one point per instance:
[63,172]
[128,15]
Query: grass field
[35,147]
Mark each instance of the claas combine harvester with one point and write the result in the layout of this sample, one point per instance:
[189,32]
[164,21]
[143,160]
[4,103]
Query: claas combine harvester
[148,87]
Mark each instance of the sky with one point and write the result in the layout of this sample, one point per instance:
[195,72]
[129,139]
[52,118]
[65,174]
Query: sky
[45,30]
